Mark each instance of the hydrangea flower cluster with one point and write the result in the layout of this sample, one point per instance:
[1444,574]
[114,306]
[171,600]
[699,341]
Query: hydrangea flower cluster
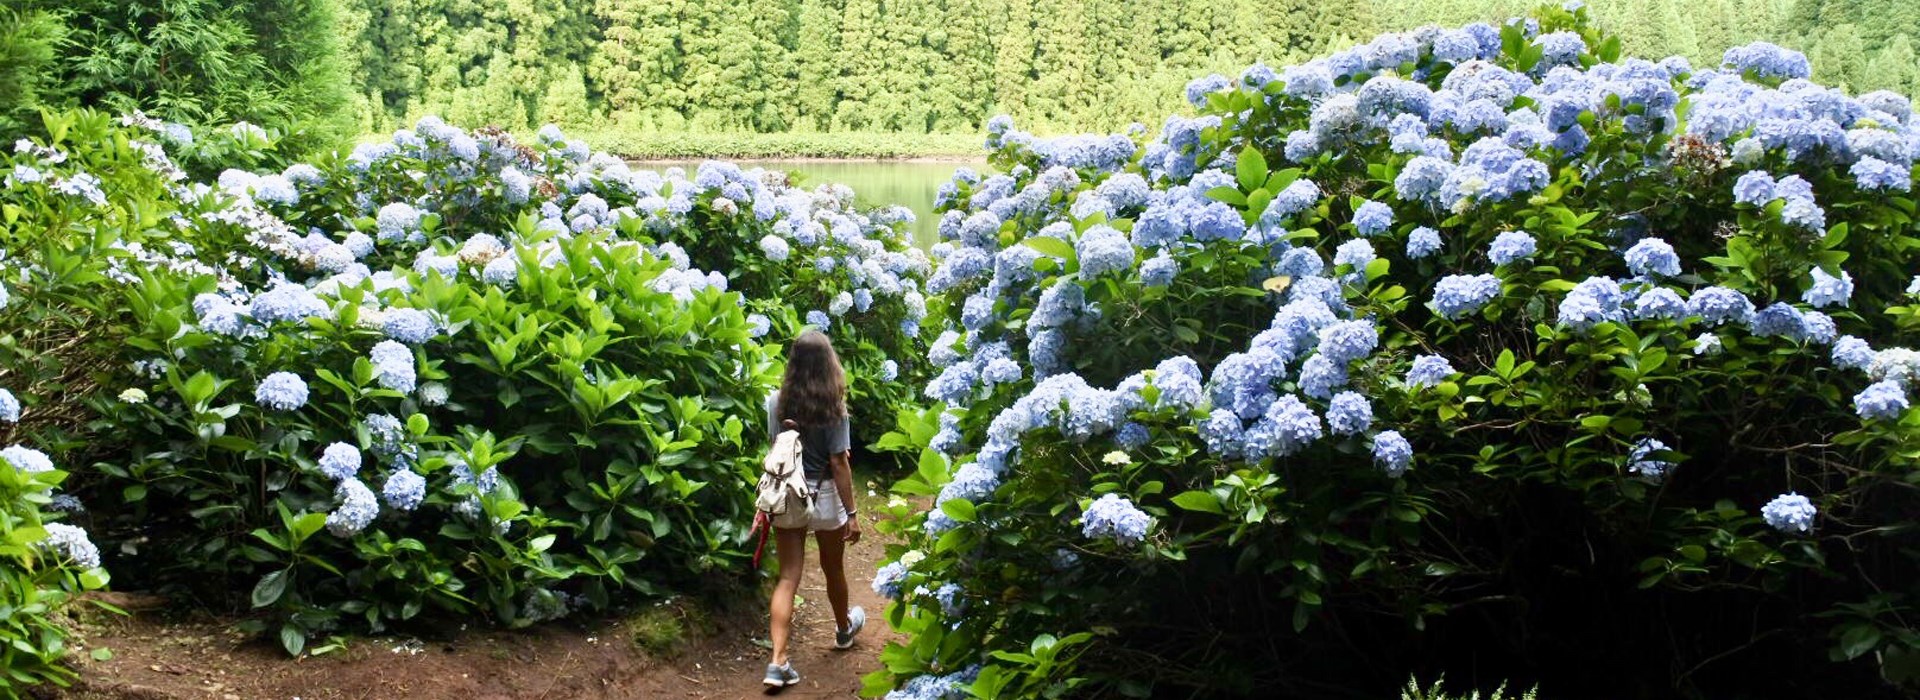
[1116,518]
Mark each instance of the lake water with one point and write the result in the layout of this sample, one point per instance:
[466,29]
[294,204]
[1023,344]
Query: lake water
[908,183]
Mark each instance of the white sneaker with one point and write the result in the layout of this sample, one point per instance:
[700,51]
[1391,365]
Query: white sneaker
[781,676]
[856,619]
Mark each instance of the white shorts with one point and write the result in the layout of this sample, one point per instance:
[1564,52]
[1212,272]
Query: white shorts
[827,513]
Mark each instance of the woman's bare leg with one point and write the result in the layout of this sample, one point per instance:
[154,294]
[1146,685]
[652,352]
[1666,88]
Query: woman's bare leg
[792,548]
[833,548]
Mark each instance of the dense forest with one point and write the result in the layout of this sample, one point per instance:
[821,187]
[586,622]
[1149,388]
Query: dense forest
[934,66]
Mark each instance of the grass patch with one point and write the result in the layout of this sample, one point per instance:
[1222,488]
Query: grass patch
[666,629]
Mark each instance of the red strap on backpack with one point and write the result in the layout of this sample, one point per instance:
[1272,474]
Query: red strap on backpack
[761,524]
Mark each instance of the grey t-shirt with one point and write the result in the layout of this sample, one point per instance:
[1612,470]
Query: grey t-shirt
[818,445]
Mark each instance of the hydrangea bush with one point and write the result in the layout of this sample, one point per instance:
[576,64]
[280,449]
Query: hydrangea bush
[1485,341]
[44,561]
[444,373]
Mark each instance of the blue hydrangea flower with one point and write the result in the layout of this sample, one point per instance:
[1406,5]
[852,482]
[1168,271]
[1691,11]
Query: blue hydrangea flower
[9,407]
[340,461]
[1392,453]
[954,384]
[502,271]
[889,371]
[356,510]
[1132,435]
[1422,178]
[973,482]
[1001,371]
[758,325]
[287,302]
[819,319]
[393,365]
[1458,295]
[71,542]
[1801,209]
[1178,379]
[1852,353]
[1424,241]
[1216,221]
[1103,249]
[1198,90]
[1355,254]
[1510,247]
[410,326]
[1767,61]
[1707,344]
[1652,256]
[1429,371]
[26,459]
[1885,399]
[1285,428]
[1754,188]
[1372,218]
[887,581]
[1660,303]
[1641,462]
[1789,512]
[1828,290]
[1874,174]
[1297,197]
[1224,434]
[1159,270]
[1059,305]
[281,391]
[1300,263]
[1718,305]
[1349,413]
[404,490]
[1594,301]
[1243,381]
[1779,319]
[1116,518]
[775,248]
[1320,375]
[1346,341]
[396,221]
[1559,48]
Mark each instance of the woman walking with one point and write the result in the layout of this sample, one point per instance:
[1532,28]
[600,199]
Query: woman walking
[813,400]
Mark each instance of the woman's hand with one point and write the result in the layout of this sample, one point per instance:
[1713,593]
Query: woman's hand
[852,533]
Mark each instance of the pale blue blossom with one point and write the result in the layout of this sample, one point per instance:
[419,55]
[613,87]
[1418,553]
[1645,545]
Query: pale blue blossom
[281,391]
[1115,518]
[1392,453]
[340,461]
[356,510]
[1790,512]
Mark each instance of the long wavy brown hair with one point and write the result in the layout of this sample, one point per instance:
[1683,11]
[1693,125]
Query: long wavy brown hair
[814,392]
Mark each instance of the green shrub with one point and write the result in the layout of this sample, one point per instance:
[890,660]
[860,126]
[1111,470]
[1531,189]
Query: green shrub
[536,404]
[1385,363]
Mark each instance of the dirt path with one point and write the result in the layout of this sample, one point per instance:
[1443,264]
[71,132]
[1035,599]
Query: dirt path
[156,659]
[824,671]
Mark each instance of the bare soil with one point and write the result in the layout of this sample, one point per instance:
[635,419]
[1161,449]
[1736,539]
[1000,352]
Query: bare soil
[157,654]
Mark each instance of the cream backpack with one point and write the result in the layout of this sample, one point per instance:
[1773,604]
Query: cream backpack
[783,493]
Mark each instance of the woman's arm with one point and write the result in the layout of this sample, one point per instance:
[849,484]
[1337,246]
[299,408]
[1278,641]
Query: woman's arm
[842,468]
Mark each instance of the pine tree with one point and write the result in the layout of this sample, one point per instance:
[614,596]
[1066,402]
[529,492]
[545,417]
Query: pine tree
[1013,60]
[565,102]
[29,39]
[815,57]
[1894,67]
[862,64]
[1836,57]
